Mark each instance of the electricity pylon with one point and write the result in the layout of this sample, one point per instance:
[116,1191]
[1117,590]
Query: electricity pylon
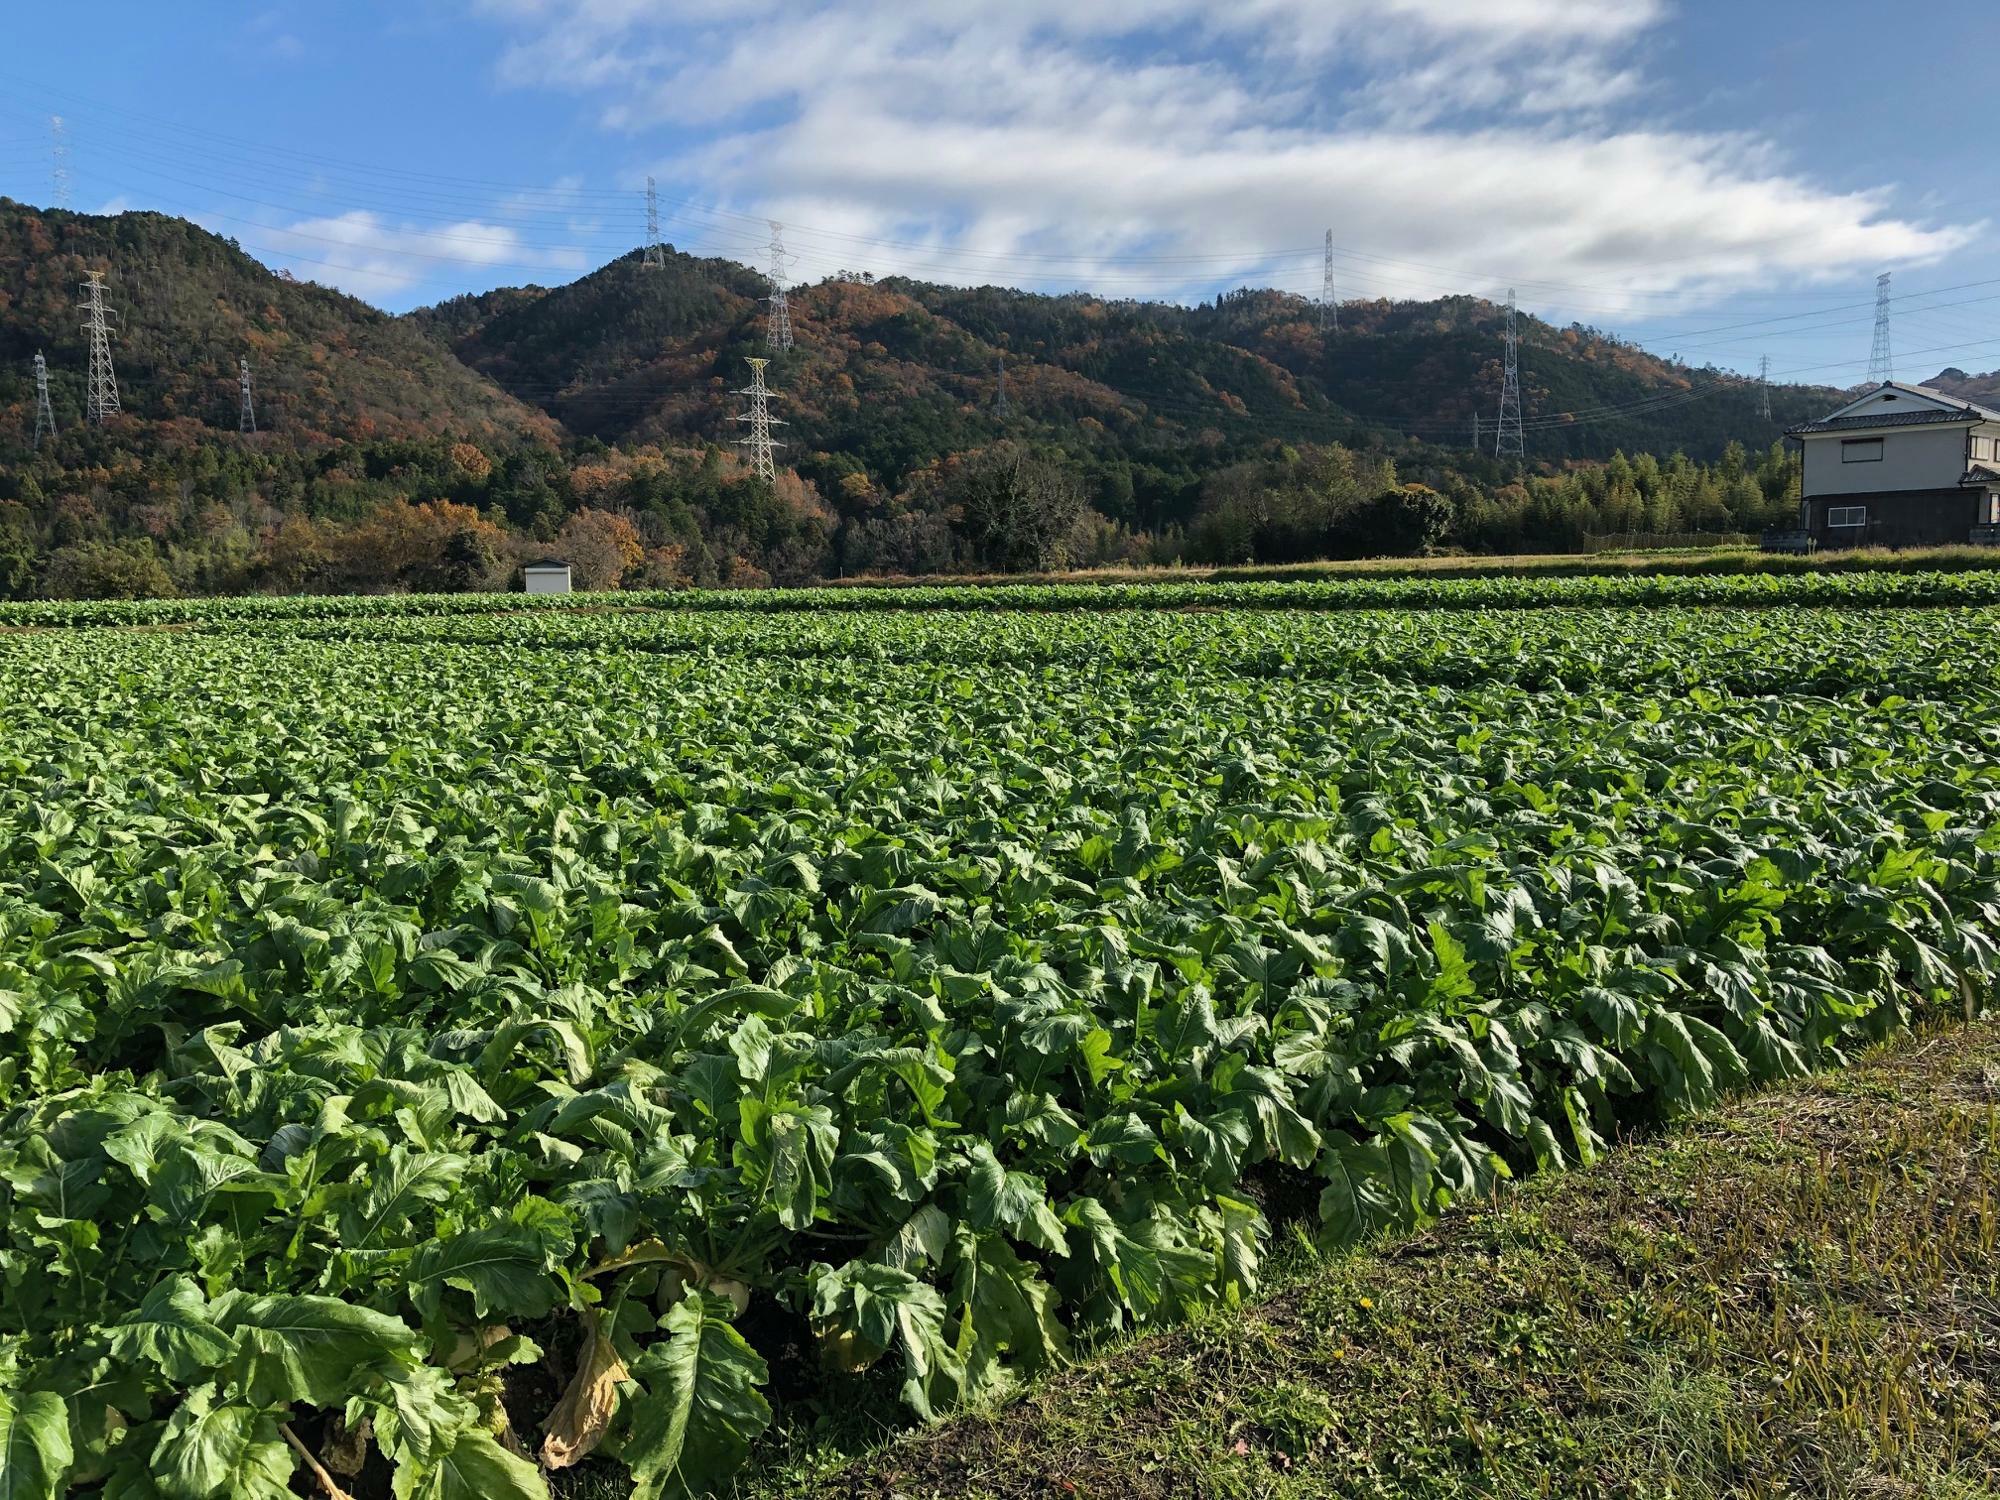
[655,256]
[1507,440]
[59,161]
[1000,407]
[1329,310]
[759,442]
[778,333]
[1764,388]
[100,393]
[246,419]
[45,414]
[1880,365]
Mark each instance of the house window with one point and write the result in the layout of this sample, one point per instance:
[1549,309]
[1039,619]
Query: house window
[1861,451]
[1846,515]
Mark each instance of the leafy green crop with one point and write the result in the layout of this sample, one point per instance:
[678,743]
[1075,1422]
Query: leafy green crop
[469,1047]
[1871,590]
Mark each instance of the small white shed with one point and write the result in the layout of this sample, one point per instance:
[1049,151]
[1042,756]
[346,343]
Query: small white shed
[549,576]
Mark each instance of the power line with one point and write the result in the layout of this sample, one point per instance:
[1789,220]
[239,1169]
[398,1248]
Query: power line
[100,400]
[537,267]
[1508,441]
[45,414]
[759,442]
[1880,365]
[424,184]
[576,196]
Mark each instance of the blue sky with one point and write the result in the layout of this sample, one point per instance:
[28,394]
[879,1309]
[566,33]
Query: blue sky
[1717,178]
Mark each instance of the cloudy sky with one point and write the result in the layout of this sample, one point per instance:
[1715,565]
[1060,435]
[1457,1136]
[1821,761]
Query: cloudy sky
[1720,179]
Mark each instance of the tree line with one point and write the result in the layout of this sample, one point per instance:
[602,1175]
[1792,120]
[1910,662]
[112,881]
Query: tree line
[234,517]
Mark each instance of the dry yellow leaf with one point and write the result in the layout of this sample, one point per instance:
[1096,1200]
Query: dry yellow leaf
[579,1420]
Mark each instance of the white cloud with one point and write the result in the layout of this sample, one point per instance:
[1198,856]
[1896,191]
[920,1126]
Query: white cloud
[268,35]
[365,254]
[1452,144]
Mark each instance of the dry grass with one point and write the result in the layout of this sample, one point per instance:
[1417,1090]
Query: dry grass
[1549,565]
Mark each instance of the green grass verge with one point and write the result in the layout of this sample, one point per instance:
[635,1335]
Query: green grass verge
[1798,1294]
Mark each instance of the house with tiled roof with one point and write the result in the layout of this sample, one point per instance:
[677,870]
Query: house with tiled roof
[1901,466]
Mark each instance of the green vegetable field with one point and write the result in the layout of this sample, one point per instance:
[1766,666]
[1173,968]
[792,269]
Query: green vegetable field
[443,1048]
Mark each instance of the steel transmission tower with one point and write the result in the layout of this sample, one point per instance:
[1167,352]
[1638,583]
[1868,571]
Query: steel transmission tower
[59,161]
[100,396]
[778,333]
[246,420]
[1329,310]
[759,442]
[1507,439]
[1475,432]
[45,414]
[655,256]
[1764,388]
[1000,407]
[1880,365]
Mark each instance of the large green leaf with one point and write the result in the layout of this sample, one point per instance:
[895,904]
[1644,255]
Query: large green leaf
[700,1408]
[503,1266]
[34,1445]
[308,1348]
[474,1467]
[212,1447]
[397,1187]
[1014,1201]
[861,1310]
[173,1329]
[1007,1322]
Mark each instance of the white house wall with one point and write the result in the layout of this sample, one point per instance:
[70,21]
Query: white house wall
[1924,459]
[1891,401]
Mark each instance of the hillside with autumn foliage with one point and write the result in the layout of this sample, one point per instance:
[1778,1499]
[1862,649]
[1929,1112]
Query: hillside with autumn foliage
[186,306]
[598,420]
[888,377]
[1983,389]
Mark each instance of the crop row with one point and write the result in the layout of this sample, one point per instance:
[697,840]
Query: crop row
[1780,650]
[386,1027]
[1745,590]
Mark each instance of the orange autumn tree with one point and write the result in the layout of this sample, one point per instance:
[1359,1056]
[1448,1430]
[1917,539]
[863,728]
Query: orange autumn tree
[437,546]
[471,461]
[600,547]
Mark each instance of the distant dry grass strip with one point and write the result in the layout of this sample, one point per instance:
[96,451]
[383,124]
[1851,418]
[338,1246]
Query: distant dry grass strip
[1798,1294]
[1529,565]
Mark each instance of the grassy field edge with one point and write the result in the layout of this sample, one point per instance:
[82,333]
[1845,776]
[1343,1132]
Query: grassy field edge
[1642,563]
[1795,1293]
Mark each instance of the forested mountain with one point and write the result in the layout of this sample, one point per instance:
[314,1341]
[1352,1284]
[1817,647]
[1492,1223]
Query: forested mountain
[886,377]
[889,376]
[187,306]
[1985,389]
[437,449]
[631,351]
